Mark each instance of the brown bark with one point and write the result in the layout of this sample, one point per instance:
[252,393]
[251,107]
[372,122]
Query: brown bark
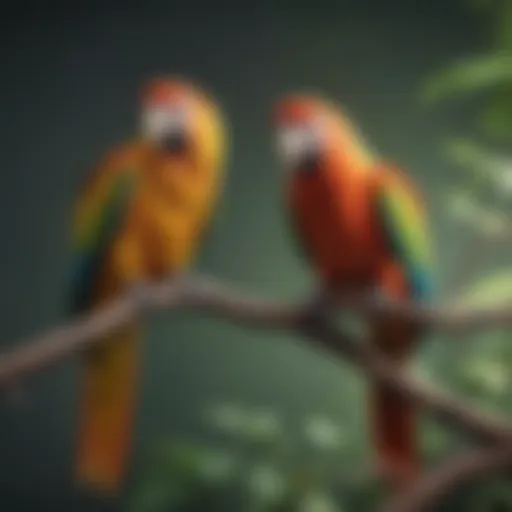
[315,326]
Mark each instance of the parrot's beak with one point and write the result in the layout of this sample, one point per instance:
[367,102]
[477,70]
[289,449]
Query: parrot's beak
[166,127]
[297,145]
[175,141]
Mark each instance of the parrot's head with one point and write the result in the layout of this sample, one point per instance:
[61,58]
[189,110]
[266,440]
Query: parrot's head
[310,128]
[180,118]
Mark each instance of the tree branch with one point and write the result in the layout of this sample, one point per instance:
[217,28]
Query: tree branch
[458,470]
[448,409]
[306,319]
[202,294]
[213,298]
[444,318]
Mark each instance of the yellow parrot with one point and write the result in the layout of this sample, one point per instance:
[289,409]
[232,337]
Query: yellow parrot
[139,217]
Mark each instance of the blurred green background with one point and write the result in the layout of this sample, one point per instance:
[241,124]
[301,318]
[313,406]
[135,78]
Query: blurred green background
[244,420]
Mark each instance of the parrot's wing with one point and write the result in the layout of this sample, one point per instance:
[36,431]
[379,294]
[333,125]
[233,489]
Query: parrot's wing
[100,210]
[402,217]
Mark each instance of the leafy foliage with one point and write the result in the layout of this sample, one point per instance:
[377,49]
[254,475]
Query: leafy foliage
[489,290]
[481,203]
[470,76]
[267,472]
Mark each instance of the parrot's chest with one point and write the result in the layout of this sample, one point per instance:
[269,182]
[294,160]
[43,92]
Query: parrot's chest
[165,233]
[338,232]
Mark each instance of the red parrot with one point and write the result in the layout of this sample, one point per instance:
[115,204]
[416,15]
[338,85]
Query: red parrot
[363,226]
[140,216]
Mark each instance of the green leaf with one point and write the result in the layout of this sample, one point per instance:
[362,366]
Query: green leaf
[228,418]
[491,290]
[462,206]
[496,118]
[182,459]
[467,154]
[266,483]
[488,221]
[324,434]
[318,501]
[435,438]
[488,375]
[153,496]
[469,76]
[263,427]
[491,222]
[217,466]
[487,168]
[502,31]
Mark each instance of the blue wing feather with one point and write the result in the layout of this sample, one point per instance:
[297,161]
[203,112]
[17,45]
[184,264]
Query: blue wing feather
[93,240]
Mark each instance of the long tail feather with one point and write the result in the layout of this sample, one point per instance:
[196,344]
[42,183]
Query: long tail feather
[109,395]
[394,417]
[395,437]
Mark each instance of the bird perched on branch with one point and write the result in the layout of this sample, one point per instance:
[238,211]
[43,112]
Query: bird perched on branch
[140,216]
[363,226]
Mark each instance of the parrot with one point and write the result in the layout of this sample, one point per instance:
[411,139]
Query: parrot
[362,224]
[139,216]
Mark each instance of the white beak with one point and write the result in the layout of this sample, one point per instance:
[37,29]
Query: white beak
[159,122]
[294,143]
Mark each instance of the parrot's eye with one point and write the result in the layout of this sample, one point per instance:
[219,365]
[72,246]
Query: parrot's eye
[298,143]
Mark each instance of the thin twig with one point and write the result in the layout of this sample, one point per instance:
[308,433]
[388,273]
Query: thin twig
[443,318]
[448,409]
[211,297]
[306,319]
[207,295]
[202,294]
[458,470]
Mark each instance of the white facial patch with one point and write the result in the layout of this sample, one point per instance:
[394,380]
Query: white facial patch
[297,142]
[158,122]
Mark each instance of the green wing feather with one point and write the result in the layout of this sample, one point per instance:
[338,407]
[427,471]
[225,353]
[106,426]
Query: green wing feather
[99,215]
[406,231]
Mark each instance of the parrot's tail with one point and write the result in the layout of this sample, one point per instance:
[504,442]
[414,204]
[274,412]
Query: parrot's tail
[395,433]
[110,384]
[394,422]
